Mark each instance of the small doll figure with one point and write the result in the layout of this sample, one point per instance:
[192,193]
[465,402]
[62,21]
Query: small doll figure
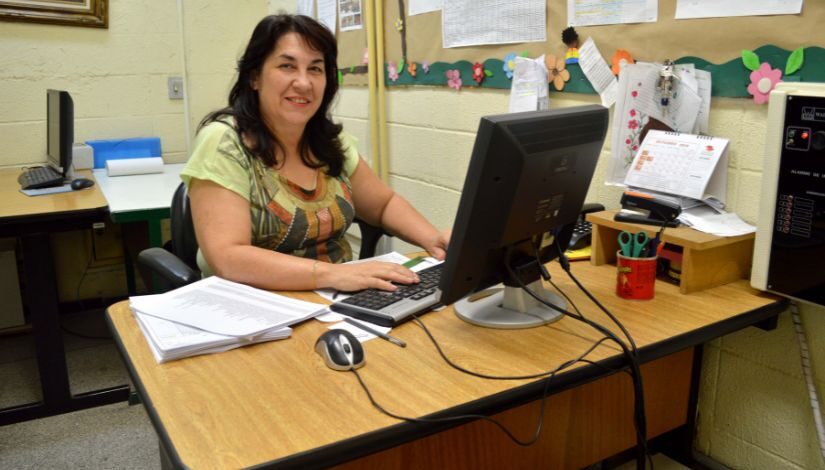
[571,39]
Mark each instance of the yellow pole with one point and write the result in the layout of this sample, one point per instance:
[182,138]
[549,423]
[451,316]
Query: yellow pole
[373,90]
[382,103]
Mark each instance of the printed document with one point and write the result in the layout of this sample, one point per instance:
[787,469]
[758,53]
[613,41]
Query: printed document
[598,72]
[596,12]
[686,9]
[226,308]
[480,22]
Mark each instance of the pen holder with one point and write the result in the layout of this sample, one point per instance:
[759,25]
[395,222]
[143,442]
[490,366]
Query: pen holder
[635,277]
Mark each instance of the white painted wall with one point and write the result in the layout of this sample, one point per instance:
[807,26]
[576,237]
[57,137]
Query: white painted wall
[753,410]
[116,76]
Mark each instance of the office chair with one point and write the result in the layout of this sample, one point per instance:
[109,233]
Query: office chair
[175,264]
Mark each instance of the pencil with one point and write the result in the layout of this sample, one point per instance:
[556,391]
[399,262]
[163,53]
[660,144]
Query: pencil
[368,329]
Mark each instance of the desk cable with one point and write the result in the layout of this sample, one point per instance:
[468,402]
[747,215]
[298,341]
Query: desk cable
[468,417]
[809,380]
[631,353]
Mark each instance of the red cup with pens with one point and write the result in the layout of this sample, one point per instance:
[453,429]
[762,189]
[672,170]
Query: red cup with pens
[636,265]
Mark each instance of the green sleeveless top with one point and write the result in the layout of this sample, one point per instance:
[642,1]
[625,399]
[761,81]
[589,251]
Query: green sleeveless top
[285,217]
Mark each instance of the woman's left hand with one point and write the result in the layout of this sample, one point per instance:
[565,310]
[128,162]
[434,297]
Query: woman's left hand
[437,245]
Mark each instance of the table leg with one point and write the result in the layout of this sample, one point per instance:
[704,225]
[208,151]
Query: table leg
[42,302]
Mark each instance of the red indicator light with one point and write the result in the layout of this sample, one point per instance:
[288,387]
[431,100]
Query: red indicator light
[804,135]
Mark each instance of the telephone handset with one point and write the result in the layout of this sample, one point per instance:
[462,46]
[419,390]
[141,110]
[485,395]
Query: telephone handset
[583,230]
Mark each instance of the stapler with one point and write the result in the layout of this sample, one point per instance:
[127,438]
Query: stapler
[654,211]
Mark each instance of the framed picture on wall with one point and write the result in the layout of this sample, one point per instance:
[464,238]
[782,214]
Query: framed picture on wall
[89,13]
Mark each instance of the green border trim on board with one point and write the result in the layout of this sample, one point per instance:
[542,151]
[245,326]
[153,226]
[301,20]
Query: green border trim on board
[730,79]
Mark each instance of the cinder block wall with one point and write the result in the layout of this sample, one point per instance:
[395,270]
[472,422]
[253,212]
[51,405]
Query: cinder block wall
[753,410]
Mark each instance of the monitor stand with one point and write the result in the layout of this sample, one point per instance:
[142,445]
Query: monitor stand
[510,308]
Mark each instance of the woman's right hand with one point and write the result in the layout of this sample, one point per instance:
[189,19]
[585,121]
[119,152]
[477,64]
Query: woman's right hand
[358,276]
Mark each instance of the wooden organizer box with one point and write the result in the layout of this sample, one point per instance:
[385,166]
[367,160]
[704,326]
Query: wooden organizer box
[707,260]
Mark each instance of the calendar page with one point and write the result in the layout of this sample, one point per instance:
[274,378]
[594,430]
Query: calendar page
[686,165]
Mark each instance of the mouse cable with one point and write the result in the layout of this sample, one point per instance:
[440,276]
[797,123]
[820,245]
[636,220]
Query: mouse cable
[640,421]
[468,417]
[538,375]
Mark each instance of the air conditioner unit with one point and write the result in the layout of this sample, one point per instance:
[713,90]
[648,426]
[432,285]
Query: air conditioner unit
[789,252]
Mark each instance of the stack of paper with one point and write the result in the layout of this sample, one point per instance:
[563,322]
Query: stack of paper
[215,315]
[720,223]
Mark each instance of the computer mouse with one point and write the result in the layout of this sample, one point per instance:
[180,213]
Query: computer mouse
[82,183]
[340,350]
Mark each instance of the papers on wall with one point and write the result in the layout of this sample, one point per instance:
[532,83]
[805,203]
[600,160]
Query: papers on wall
[417,7]
[479,22]
[598,72]
[684,165]
[306,7]
[596,12]
[686,9]
[326,13]
[350,15]
[639,109]
[529,90]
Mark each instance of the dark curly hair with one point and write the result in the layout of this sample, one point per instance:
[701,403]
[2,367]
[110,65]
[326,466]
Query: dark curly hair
[321,134]
[569,35]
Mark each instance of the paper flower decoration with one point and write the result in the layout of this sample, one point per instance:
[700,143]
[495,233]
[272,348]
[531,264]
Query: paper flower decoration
[478,72]
[425,66]
[763,81]
[399,24]
[366,58]
[392,71]
[556,73]
[620,59]
[509,65]
[412,68]
[453,79]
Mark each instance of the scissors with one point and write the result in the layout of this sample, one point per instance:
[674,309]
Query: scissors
[632,245]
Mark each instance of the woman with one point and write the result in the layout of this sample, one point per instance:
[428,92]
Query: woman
[274,183]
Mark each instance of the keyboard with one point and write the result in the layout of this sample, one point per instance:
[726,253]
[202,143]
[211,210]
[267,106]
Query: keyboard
[39,177]
[391,308]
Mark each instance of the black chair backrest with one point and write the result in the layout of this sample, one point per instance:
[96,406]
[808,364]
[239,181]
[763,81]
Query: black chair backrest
[184,243]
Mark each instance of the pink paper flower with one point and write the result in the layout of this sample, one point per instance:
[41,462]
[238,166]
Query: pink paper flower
[392,70]
[366,58]
[453,79]
[763,81]
[425,66]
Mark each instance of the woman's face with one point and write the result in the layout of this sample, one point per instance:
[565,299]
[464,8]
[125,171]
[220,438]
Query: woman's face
[291,84]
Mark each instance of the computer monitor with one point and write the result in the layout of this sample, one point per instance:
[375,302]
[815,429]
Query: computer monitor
[59,130]
[526,183]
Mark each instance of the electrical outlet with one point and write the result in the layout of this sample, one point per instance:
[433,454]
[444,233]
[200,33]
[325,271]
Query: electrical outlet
[175,87]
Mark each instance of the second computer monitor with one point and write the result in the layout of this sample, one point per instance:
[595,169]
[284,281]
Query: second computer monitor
[59,129]
[526,183]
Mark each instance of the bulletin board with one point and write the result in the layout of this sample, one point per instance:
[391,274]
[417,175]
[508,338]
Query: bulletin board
[712,44]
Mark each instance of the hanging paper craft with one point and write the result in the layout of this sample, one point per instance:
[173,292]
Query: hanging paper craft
[509,65]
[620,59]
[478,72]
[412,69]
[571,39]
[454,79]
[392,71]
[763,77]
[556,73]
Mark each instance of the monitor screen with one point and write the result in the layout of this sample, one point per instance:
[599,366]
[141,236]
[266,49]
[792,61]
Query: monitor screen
[59,129]
[526,183]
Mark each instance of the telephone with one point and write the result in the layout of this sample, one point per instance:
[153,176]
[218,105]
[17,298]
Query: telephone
[583,230]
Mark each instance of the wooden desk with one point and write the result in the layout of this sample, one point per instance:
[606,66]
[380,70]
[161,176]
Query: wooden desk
[276,403]
[31,220]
